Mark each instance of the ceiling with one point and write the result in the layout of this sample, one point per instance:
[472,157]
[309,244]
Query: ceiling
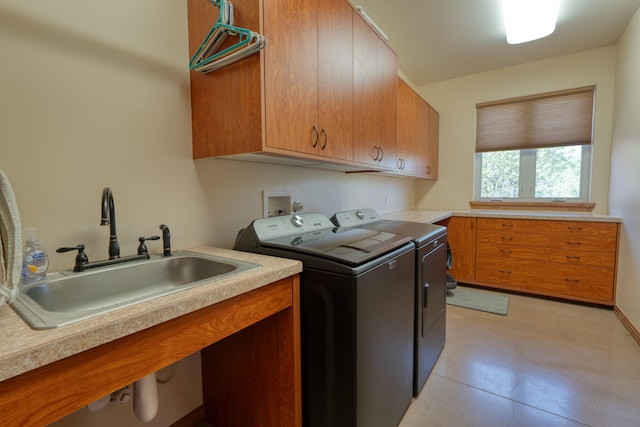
[441,39]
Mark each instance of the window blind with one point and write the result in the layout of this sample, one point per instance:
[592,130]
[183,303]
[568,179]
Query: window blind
[547,120]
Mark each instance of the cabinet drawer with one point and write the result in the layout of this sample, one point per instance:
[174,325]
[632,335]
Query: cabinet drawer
[583,241]
[571,228]
[500,251]
[584,282]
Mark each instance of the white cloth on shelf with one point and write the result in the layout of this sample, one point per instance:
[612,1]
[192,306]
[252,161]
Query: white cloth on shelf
[11,237]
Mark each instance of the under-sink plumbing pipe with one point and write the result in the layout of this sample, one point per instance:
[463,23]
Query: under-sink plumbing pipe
[145,398]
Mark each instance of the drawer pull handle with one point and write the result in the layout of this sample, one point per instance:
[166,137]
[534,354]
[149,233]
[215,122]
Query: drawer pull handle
[572,280]
[507,225]
[574,257]
[506,239]
[575,228]
[506,251]
[574,243]
[505,271]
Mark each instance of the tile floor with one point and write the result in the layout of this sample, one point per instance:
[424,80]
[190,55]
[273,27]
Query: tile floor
[547,363]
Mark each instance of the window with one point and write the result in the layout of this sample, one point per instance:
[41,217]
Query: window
[536,148]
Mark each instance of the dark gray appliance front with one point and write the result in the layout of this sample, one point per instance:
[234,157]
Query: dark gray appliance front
[430,283]
[357,317]
[357,344]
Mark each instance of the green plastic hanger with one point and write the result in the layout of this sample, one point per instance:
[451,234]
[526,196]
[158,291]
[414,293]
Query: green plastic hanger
[207,53]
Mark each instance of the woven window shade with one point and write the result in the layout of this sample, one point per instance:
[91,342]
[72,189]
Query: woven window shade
[547,120]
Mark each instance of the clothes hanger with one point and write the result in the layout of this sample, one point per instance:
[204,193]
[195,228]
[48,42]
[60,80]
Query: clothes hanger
[216,34]
[207,58]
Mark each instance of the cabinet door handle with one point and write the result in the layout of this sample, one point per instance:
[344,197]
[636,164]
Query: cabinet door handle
[506,251]
[505,271]
[571,280]
[375,153]
[381,154]
[506,239]
[575,228]
[573,257]
[507,225]
[315,131]
[428,170]
[325,139]
[573,243]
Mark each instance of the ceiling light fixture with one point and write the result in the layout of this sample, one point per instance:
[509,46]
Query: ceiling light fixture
[527,20]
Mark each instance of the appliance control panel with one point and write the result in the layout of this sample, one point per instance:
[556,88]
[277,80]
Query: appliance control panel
[356,217]
[275,227]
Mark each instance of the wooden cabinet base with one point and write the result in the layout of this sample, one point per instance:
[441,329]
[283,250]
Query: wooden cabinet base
[573,260]
[46,394]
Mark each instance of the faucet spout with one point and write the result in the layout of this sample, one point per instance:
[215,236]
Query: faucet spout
[166,240]
[109,218]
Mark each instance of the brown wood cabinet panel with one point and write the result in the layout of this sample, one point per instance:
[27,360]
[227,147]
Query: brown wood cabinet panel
[375,98]
[418,133]
[461,235]
[291,74]
[335,76]
[430,164]
[226,109]
[43,395]
[408,132]
[296,98]
[578,228]
[549,240]
[567,256]
[566,259]
[585,283]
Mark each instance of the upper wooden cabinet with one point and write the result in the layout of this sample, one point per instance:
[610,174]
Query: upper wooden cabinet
[295,99]
[418,135]
[376,97]
[309,77]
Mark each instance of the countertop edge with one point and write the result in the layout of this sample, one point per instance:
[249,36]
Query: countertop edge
[429,216]
[24,349]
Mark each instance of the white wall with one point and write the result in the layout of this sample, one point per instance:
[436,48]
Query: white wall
[624,195]
[456,99]
[96,94]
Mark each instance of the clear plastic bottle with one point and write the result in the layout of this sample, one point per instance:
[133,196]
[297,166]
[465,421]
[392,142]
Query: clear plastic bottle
[35,261]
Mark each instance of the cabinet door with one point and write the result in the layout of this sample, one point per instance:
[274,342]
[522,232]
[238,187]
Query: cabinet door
[291,74]
[375,98]
[430,163]
[408,120]
[461,234]
[335,78]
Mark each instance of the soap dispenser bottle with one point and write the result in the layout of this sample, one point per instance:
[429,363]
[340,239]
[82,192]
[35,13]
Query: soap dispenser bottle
[35,261]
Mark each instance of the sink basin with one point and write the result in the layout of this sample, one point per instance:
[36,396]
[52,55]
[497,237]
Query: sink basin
[68,297]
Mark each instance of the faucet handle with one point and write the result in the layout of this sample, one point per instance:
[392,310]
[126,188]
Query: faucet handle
[81,258]
[142,248]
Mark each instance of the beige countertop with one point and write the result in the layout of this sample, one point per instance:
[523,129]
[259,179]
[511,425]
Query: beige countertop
[23,349]
[429,216]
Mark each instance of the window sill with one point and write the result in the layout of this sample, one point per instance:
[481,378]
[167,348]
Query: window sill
[542,206]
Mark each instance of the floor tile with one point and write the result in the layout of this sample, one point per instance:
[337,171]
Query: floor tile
[573,364]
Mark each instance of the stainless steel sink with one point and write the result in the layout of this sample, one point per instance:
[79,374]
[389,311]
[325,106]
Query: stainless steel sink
[68,297]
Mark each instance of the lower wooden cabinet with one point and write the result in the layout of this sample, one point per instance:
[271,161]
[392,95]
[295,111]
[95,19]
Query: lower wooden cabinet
[250,349]
[574,260]
[461,235]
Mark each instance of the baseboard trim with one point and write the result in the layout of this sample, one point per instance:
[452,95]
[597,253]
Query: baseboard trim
[635,333]
[191,419]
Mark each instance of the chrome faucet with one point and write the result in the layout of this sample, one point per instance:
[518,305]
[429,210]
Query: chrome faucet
[109,218]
